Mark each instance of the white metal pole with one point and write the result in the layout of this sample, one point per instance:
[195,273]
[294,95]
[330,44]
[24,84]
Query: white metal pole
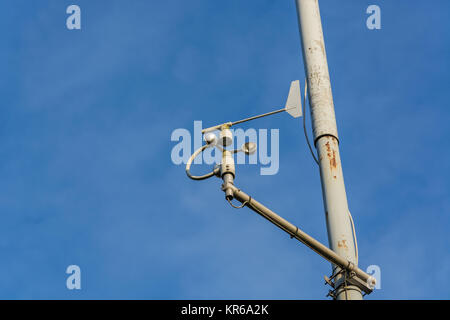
[340,235]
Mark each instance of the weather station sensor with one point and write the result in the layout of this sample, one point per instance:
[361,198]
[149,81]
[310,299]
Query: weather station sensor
[293,107]
[348,271]
[347,281]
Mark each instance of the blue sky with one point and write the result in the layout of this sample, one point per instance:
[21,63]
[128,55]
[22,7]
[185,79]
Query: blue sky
[86,176]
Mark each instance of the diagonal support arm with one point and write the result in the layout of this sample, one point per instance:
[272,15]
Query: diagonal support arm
[363,280]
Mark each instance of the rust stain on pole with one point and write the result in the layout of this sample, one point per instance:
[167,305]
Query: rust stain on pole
[342,244]
[331,154]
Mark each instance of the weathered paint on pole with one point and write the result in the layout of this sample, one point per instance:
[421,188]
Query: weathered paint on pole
[340,234]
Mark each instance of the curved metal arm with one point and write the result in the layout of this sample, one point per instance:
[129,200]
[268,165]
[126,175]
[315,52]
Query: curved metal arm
[193,156]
